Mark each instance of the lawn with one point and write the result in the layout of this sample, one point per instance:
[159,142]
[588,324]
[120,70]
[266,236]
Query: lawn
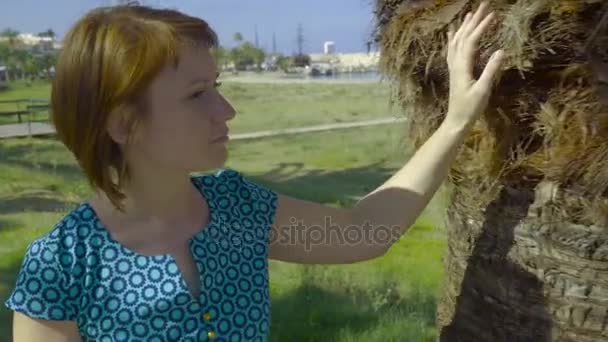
[387,299]
[264,106]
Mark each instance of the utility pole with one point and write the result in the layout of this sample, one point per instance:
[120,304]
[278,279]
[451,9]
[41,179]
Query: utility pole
[300,39]
[257,41]
[274,43]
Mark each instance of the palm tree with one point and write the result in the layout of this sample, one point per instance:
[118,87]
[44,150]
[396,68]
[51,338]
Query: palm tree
[47,61]
[48,33]
[8,55]
[4,55]
[527,219]
[32,67]
[12,35]
[20,58]
[11,61]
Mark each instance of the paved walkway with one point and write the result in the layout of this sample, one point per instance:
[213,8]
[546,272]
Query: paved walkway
[318,128]
[26,129]
[41,128]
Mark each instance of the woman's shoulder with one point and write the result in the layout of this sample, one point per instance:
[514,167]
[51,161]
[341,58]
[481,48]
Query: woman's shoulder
[46,285]
[58,247]
[219,176]
[229,180]
[236,197]
[74,225]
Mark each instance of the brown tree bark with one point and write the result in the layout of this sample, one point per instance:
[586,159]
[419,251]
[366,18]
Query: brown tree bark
[527,222]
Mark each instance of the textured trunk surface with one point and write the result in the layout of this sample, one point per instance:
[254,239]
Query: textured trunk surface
[511,279]
[527,255]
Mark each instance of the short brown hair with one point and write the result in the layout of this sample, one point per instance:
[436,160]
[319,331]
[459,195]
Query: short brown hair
[107,59]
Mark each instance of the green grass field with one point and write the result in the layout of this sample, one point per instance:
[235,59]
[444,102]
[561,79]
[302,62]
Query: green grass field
[264,106]
[387,299]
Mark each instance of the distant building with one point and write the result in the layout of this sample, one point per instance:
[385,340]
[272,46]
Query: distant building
[329,48]
[34,43]
[348,62]
[118,2]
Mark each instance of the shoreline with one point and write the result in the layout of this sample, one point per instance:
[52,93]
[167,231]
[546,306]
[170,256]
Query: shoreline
[281,78]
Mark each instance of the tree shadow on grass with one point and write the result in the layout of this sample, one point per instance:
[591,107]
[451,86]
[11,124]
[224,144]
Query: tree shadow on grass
[5,223]
[313,313]
[14,155]
[342,186]
[36,202]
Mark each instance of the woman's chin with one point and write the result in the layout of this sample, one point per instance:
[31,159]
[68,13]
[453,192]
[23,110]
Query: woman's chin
[218,161]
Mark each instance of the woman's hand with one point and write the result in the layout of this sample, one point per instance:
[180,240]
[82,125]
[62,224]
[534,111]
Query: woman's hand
[469,97]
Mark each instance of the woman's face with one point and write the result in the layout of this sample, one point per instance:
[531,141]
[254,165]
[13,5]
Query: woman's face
[185,126]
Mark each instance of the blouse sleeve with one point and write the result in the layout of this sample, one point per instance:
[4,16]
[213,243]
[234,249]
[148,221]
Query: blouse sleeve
[43,289]
[256,201]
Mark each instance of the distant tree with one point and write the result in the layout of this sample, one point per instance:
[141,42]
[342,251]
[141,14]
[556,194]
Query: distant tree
[48,61]
[254,54]
[48,33]
[20,58]
[5,55]
[240,58]
[284,62]
[12,35]
[21,63]
[238,37]
[4,51]
[301,60]
[246,54]
[33,66]
[220,56]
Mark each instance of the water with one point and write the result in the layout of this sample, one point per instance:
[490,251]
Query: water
[367,76]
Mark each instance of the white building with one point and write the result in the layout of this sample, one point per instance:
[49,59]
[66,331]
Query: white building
[34,43]
[348,62]
[329,48]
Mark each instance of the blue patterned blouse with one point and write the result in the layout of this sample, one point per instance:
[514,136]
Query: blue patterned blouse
[78,272]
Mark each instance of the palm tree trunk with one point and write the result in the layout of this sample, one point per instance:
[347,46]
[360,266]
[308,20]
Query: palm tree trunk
[527,223]
[510,278]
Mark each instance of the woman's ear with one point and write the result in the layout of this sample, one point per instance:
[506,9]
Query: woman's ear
[119,125]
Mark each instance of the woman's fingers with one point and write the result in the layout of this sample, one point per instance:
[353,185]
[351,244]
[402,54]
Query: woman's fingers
[462,27]
[477,18]
[468,97]
[489,72]
[472,43]
[471,22]
[481,28]
[465,41]
[450,34]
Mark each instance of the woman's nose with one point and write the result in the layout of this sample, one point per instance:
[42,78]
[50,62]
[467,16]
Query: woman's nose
[227,111]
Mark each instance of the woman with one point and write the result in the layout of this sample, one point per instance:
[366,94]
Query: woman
[159,254]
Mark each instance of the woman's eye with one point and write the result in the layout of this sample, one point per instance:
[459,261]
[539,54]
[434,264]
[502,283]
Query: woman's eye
[197,94]
[201,92]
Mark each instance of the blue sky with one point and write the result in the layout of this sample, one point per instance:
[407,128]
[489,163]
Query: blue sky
[346,22]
